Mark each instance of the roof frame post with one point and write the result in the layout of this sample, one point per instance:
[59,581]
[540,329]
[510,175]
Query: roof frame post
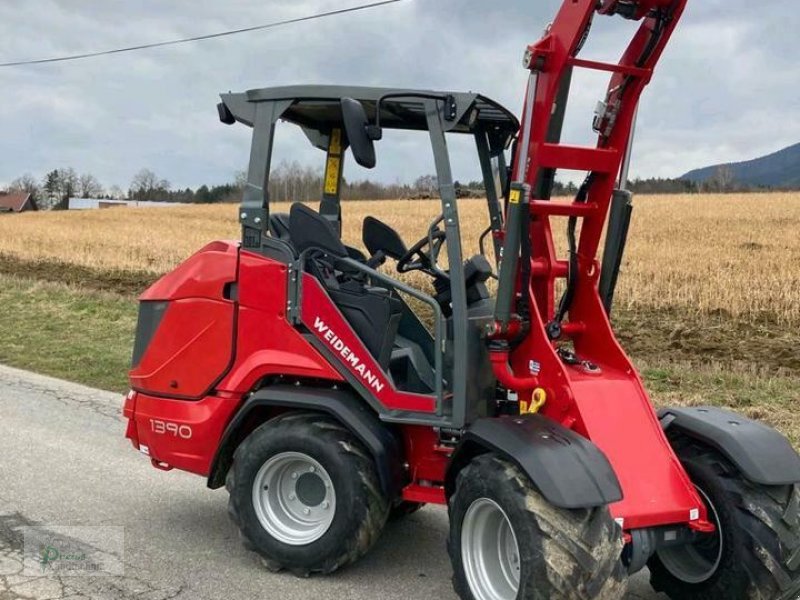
[447,193]
[254,208]
[492,200]
[330,206]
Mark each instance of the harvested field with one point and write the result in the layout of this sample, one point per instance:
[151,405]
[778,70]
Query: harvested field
[730,255]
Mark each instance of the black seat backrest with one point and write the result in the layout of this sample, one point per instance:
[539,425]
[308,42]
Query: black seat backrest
[279,226]
[309,229]
[373,313]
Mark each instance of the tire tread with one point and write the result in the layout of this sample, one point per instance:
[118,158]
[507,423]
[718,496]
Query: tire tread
[330,432]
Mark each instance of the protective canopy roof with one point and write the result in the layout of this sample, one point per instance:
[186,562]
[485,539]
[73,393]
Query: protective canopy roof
[317,107]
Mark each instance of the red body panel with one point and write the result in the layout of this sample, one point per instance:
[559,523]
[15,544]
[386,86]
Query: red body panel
[202,275]
[180,433]
[267,343]
[178,361]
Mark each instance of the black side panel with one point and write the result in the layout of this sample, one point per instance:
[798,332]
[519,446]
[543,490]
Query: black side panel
[762,454]
[344,406]
[150,315]
[373,315]
[569,470]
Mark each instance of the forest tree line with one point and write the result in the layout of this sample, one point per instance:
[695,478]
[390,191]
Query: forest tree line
[293,182]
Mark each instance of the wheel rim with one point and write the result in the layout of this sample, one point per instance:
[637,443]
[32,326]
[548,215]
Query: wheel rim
[489,552]
[294,498]
[696,562]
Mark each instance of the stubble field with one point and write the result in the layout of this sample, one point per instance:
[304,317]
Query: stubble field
[738,255]
[708,303]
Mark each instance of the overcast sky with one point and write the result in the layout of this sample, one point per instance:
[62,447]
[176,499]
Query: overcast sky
[726,89]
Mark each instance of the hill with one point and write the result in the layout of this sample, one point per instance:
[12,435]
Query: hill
[778,170]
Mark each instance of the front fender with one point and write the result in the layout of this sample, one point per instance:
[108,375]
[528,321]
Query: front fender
[762,454]
[568,469]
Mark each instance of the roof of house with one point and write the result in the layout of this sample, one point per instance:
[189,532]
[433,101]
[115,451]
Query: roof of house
[14,201]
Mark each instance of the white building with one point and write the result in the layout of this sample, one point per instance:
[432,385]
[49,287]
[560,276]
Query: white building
[91,203]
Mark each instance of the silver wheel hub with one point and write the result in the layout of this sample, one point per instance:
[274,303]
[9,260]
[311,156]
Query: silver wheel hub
[489,552]
[696,562]
[293,498]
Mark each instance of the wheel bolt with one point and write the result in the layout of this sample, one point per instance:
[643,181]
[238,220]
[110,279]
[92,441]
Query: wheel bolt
[294,475]
[307,511]
[325,504]
[312,469]
[292,496]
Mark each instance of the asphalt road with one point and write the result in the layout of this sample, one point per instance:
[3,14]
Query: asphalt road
[64,461]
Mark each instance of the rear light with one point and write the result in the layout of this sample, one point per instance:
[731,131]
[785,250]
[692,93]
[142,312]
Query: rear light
[129,407]
[128,411]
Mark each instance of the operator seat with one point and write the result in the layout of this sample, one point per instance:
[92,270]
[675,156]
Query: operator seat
[373,312]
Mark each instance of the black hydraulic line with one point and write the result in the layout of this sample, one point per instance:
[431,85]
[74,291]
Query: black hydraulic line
[492,200]
[545,179]
[619,221]
[517,217]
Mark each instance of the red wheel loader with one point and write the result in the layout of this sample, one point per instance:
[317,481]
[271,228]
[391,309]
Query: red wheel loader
[296,372]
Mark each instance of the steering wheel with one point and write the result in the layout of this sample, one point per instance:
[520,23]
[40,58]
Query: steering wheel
[422,255]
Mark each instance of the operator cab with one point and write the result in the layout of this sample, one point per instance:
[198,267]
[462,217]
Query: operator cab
[423,358]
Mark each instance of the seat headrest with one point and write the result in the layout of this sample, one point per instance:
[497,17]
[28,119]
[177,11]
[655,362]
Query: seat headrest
[309,229]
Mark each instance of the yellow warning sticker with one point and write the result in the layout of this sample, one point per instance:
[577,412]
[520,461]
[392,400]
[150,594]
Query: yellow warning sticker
[514,197]
[335,146]
[332,175]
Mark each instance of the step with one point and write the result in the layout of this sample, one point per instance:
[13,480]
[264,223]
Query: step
[577,158]
[563,209]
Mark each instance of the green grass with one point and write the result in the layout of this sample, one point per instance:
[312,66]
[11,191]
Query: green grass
[86,335]
[770,398]
[81,335]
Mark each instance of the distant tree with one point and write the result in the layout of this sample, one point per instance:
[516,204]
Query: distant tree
[202,195]
[658,185]
[51,186]
[427,184]
[240,179]
[723,179]
[70,183]
[147,186]
[27,184]
[89,186]
[115,193]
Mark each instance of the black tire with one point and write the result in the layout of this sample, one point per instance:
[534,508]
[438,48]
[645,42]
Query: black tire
[759,528]
[403,508]
[563,554]
[360,510]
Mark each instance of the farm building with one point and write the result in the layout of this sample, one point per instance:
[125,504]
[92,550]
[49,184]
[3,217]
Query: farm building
[16,202]
[93,203]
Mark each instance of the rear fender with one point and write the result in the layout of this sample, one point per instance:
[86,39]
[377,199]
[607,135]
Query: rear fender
[346,408]
[569,470]
[762,454]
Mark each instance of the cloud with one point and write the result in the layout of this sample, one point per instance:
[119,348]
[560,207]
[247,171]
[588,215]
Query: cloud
[726,88]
